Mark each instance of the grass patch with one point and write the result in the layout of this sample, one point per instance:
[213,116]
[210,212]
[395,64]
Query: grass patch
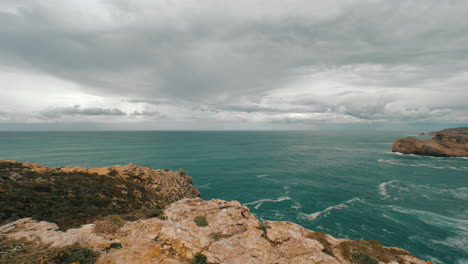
[200,259]
[72,254]
[363,259]
[21,252]
[109,224]
[115,246]
[366,252]
[74,198]
[201,221]
[219,236]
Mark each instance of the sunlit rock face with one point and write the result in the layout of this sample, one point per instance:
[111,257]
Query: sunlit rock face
[215,231]
[443,144]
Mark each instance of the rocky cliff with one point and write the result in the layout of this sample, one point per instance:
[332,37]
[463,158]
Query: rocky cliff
[71,196]
[457,130]
[192,231]
[441,145]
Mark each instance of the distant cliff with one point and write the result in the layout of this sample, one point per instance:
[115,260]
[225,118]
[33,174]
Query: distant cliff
[458,130]
[442,144]
[188,231]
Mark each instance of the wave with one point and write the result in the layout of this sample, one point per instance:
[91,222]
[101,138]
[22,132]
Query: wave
[383,189]
[457,227]
[343,205]
[259,203]
[399,163]
[262,175]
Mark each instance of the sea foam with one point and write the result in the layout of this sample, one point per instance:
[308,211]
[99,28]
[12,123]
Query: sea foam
[383,189]
[343,205]
[259,203]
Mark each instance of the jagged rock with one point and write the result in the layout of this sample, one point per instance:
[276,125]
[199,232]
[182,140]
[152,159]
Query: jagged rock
[233,236]
[441,145]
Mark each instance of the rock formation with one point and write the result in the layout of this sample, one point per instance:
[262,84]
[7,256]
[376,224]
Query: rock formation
[72,196]
[458,130]
[227,233]
[118,218]
[441,145]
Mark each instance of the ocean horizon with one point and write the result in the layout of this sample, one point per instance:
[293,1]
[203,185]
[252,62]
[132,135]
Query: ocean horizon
[345,183]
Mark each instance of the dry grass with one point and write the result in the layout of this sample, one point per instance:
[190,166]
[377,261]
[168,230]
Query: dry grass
[362,251]
[109,224]
[21,251]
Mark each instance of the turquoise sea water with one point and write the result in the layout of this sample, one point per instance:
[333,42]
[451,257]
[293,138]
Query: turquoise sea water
[347,184]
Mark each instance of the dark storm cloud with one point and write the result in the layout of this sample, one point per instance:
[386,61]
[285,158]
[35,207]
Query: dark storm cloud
[370,56]
[81,111]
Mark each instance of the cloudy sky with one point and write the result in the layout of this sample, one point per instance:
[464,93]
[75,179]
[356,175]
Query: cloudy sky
[215,64]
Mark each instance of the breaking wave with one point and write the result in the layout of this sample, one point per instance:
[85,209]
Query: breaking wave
[383,189]
[259,203]
[343,205]
[403,163]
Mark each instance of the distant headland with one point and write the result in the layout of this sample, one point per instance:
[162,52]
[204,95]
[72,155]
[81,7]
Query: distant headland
[451,142]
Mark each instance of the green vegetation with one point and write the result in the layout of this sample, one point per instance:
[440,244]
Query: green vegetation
[218,236]
[369,252]
[363,259]
[200,221]
[72,254]
[72,199]
[200,259]
[109,224]
[322,238]
[20,252]
[115,245]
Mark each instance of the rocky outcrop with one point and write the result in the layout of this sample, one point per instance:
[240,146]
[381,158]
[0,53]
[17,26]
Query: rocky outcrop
[441,145]
[458,130]
[71,196]
[198,231]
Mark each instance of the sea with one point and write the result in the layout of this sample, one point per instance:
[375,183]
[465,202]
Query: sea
[345,183]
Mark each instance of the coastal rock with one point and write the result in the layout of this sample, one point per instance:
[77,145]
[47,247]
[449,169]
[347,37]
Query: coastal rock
[70,196]
[441,145]
[228,234]
[458,130]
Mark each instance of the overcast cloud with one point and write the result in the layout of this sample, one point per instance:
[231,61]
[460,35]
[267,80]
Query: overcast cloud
[215,64]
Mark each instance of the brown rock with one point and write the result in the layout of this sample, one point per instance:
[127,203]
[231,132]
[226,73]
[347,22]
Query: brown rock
[441,145]
[232,236]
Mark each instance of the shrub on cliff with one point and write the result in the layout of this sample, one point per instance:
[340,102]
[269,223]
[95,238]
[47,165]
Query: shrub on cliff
[72,198]
[200,221]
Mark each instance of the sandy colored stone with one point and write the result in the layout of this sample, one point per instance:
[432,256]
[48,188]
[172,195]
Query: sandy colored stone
[231,237]
[441,145]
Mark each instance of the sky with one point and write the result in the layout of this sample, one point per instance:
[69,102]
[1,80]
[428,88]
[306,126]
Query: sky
[232,65]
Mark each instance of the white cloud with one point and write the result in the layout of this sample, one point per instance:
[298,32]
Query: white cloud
[176,63]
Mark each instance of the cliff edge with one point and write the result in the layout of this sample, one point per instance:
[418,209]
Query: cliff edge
[113,208]
[192,231]
[71,196]
[445,144]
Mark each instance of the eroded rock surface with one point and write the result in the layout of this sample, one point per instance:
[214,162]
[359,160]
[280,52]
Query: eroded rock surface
[223,232]
[441,145]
